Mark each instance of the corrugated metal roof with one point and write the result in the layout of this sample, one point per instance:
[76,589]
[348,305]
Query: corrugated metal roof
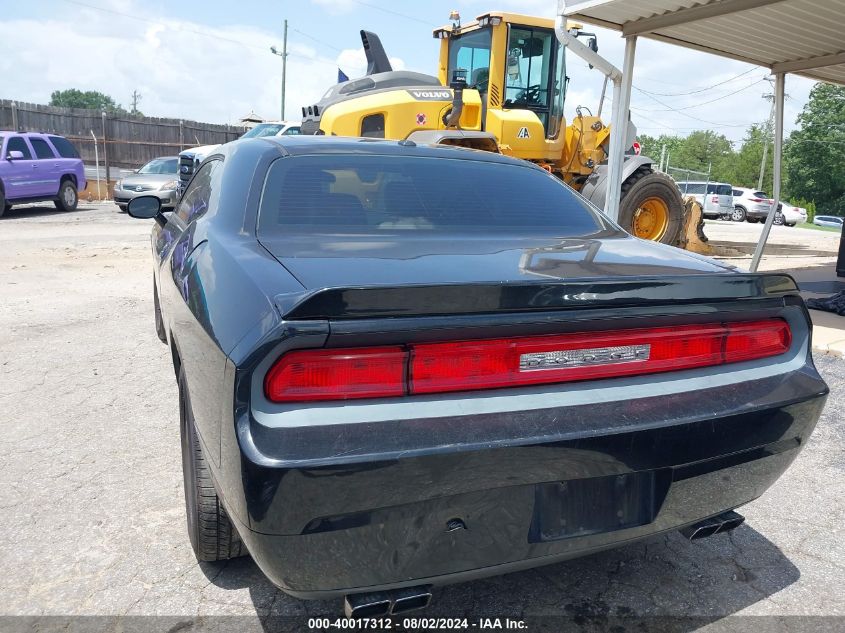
[762,32]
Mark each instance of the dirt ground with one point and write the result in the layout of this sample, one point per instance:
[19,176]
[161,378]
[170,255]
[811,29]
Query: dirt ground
[90,474]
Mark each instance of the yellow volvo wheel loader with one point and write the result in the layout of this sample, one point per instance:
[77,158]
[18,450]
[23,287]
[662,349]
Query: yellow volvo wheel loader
[501,87]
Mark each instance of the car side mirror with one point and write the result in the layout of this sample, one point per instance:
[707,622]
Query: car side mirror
[146,208]
[15,154]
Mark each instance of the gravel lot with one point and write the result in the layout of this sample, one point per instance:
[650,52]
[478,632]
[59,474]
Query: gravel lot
[91,492]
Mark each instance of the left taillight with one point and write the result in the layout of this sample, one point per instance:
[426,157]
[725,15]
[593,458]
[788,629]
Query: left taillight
[371,372]
[337,374]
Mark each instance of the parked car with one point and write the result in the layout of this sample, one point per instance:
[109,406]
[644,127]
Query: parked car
[190,159]
[789,214]
[159,176]
[39,167]
[389,380]
[753,206]
[719,199]
[828,220]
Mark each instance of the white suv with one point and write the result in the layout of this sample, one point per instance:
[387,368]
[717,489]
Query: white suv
[190,159]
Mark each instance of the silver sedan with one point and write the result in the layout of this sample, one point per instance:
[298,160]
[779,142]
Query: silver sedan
[159,178]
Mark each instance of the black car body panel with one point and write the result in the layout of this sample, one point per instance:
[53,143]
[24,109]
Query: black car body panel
[348,496]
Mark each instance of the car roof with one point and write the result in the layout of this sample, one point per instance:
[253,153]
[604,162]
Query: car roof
[6,132]
[311,144]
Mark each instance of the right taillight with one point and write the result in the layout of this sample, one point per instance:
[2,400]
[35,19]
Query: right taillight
[756,339]
[371,372]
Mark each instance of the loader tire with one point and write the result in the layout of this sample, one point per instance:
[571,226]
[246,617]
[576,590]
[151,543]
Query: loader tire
[651,207]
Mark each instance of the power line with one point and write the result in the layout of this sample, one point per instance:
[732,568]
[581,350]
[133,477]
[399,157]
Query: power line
[698,105]
[689,116]
[206,33]
[392,12]
[698,90]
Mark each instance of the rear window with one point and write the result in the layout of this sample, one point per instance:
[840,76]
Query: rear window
[761,194]
[719,190]
[64,147]
[691,187]
[390,194]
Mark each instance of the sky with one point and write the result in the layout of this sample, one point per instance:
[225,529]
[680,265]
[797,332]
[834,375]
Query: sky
[210,60]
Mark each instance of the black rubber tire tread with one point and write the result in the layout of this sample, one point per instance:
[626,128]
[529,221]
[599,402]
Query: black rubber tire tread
[779,220]
[647,183]
[162,335]
[60,201]
[212,535]
[4,206]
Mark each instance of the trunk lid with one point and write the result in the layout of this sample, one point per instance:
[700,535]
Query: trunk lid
[383,278]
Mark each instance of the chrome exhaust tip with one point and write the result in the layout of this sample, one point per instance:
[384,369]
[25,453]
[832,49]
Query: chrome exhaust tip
[366,605]
[410,599]
[725,522]
[382,603]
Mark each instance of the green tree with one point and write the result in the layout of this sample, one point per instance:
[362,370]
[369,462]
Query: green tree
[815,153]
[746,162]
[90,99]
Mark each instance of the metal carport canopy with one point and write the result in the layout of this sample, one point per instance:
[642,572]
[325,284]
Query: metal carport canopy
[804,37]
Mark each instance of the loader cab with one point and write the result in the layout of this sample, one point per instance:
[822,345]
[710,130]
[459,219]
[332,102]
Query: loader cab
[515,62]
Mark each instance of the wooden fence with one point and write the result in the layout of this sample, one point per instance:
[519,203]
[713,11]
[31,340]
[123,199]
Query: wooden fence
[122,141]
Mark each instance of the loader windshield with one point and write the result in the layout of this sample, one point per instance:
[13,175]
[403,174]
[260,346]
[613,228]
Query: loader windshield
[471,51]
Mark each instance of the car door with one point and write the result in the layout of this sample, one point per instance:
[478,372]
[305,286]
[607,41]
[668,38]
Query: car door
[19,174]
[47,165]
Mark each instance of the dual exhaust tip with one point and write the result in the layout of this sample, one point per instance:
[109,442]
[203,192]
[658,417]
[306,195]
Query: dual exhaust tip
[384,603]
[399,601]
[715,525]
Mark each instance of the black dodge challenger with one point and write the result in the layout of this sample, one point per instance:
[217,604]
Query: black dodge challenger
[403,366]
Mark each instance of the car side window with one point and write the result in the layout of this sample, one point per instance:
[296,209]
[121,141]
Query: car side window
[17,143]
[64,147]
[195,201]
[290,131]
[42,150]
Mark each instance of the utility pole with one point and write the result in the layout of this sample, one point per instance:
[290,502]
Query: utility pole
[766,133]
[284,55]
[136,97]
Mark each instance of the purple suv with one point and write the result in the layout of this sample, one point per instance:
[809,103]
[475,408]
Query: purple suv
[35,167]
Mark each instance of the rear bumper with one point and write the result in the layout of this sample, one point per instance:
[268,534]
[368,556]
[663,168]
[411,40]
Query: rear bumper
[621,472]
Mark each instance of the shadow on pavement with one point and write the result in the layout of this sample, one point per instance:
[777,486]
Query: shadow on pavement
[773,249]
[677,584]
[42,209]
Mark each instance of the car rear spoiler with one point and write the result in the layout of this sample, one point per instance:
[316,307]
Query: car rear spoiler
[435,300]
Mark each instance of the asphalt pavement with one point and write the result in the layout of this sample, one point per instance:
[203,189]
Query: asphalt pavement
[91,488]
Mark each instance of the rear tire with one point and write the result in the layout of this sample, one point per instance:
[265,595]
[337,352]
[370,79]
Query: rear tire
[651,206]
[68,198]
[739,214]
[4,206]
[160,332]
[212,535]
[779,220]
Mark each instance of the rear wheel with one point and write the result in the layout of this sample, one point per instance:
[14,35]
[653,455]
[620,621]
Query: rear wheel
[651,207]
[778,218]
[4,206]
[739,214]
[162,335]
[68,197]
[213,537]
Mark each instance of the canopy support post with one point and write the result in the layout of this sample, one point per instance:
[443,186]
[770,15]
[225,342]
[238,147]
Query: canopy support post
[619,130]
[778,155]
